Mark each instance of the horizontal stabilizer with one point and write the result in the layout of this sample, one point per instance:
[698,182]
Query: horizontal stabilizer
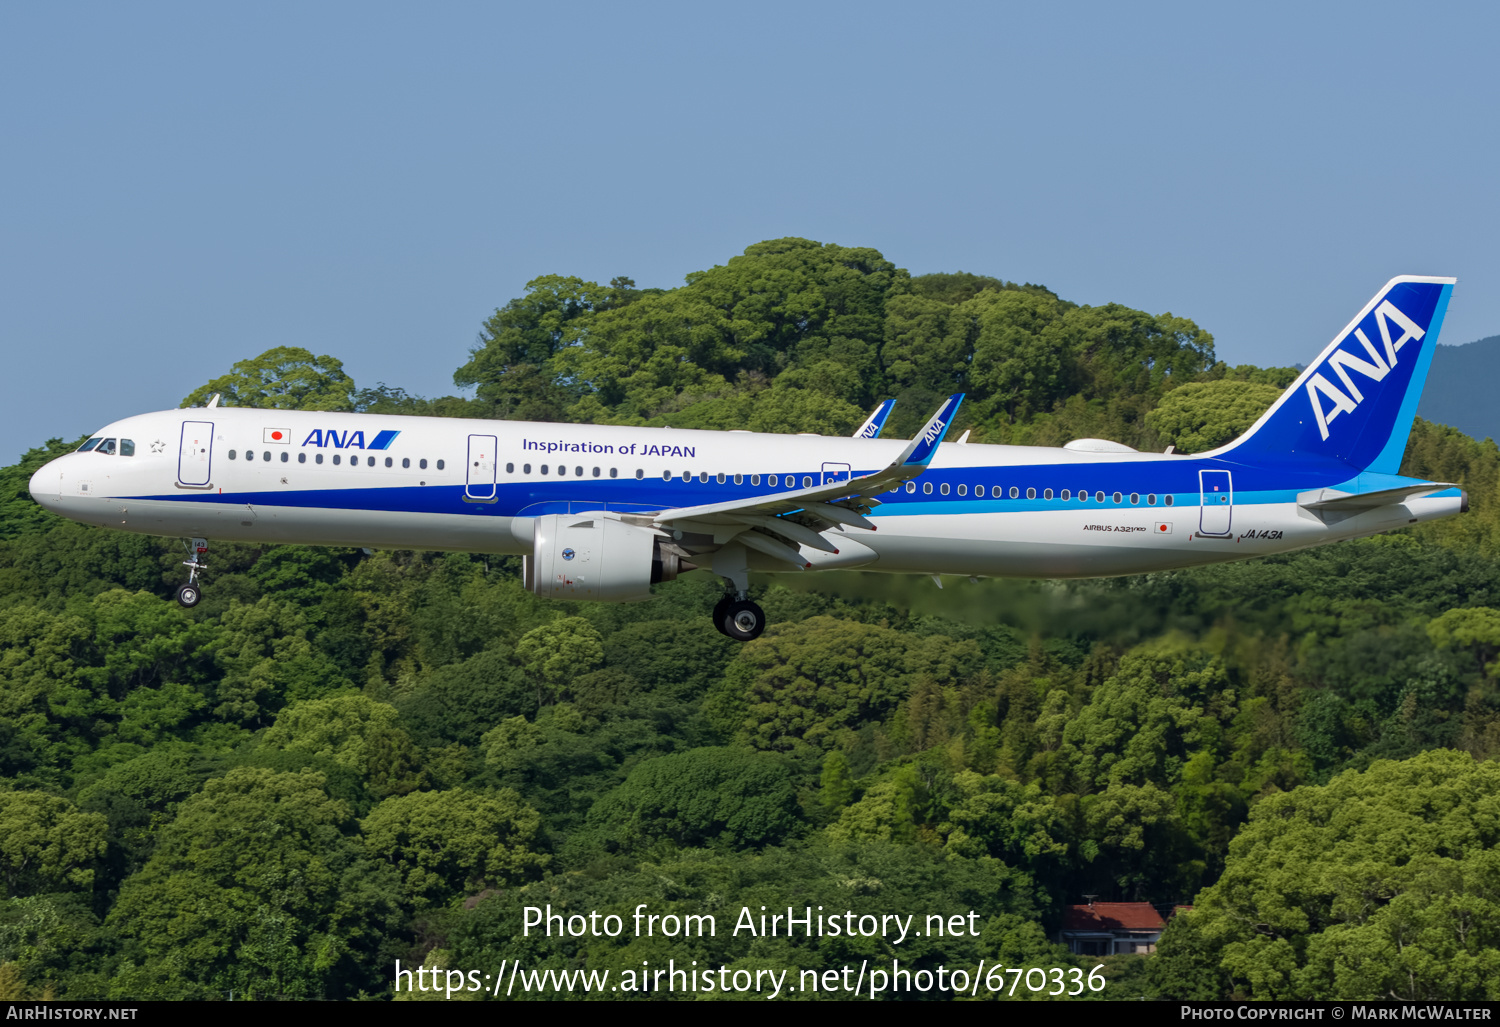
[1352,502]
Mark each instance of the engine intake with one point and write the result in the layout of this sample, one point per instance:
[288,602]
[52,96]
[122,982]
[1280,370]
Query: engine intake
[597,556]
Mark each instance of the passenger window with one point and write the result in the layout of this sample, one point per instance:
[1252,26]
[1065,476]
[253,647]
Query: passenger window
[997,492]
[703,477]
[943,488]
[666,475]
[127,447]
[1031,493]
[1151,499]
[911,487]
[806,482]
[107,447]
[614,472]
[1047,494]
[1098,497]
[578,472]
[90,444]
[1067,494]
[927,488]
[772,480]
[406,461]
[337,459]
[1116,497]
[739,479]
[525,468]
[231,454]
[302,458]
[318,459]
[755,479]
[596,473]
[440,465]
[1135,497]
[963,490]
[1015,493]
[422,463]
[562,470]
[687,475]
[1168,500]
[391,463]
[286,457]
[266,456]
[542,469]
[719,477]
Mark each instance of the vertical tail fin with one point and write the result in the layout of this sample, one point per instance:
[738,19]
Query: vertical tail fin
[1356,402]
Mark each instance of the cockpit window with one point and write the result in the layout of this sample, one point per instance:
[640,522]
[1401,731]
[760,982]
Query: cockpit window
[127,447]
[107,447]
[90,444]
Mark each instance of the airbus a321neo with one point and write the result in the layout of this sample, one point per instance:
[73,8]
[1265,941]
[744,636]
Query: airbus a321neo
[603,513]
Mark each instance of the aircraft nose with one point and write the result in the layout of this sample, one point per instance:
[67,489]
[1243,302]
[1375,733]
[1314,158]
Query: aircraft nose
[46,485]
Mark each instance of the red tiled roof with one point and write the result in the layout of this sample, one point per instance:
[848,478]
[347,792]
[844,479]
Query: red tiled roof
[1112,916]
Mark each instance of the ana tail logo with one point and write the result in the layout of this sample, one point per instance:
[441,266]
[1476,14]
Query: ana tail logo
[1342,361]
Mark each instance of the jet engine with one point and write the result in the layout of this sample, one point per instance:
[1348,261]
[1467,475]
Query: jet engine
[597,556]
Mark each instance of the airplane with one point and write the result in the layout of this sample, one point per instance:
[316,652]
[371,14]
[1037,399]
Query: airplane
[603,512]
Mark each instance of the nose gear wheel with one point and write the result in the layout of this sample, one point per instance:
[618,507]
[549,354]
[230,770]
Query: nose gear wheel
[190,593]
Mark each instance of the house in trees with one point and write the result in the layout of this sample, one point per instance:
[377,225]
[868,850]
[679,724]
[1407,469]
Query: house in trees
[1111,928]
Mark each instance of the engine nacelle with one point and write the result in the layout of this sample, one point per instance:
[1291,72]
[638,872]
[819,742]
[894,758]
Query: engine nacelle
[597,556]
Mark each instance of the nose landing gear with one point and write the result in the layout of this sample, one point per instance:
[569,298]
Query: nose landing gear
[191,593]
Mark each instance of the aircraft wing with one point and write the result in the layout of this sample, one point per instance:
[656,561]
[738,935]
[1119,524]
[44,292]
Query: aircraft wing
[876,421]
[838,502]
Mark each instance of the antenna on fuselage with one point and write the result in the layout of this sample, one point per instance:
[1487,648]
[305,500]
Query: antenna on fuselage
[213,401]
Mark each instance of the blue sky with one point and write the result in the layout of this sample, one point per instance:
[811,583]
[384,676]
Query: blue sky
[188,185]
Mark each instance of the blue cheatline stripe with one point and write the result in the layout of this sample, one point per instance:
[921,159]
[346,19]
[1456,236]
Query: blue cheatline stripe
[1253,485]
[383,440]
[448,499]
[1389,459]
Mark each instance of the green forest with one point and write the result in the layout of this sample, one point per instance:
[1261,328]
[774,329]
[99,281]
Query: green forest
[342,759]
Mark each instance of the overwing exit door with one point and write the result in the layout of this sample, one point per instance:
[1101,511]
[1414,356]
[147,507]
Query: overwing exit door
[1217,496]
[835,472]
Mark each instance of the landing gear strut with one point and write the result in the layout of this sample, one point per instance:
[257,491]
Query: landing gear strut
[191,593]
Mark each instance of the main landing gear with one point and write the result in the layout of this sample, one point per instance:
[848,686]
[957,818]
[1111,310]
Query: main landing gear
[739,618]
[735,615]
[191,593]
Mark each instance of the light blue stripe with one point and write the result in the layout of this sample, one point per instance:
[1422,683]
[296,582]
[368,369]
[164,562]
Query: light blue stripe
[1389,460]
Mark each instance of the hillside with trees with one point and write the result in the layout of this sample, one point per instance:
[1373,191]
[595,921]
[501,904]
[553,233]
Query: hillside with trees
[341,759]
